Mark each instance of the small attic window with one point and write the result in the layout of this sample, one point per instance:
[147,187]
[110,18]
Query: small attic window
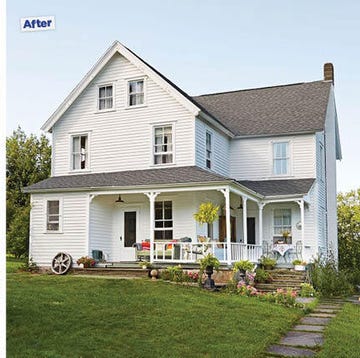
[136,93]
[106,98]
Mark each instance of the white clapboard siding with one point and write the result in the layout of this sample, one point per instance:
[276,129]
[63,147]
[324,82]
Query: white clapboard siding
[220,148]
[73,238]
[320,202]
[330,150]
[122,139]
[252,158]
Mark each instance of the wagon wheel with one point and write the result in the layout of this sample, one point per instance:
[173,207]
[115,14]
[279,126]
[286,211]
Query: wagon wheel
[61,263]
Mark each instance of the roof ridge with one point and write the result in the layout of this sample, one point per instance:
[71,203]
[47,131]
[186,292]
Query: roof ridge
[257,88]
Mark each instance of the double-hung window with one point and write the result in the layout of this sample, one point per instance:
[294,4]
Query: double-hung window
[79,154]
[163,145]
[281,158]
[163,220]
[106,97]
[208,149]
[136,93]
[282,221]
[53,215]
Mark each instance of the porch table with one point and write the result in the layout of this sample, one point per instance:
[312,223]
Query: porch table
[283,249]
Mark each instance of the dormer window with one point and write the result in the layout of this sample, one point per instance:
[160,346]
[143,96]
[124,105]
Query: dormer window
[105,99]
[136,93]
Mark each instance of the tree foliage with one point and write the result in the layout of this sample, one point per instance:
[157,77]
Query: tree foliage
[349,229]
[28,160]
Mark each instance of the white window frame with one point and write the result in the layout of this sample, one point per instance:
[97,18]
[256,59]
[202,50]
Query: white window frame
[127,106]
[162,125]
[210,158]
[284,227]
[71,160]
[163,217]
[60,230]
[106,84]
[288,158]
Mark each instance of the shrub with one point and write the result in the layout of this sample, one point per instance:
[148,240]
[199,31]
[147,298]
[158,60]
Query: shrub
[327,280]
[263,276]
[29,266]
[266,261]
[307,290]
[86,261]
[299,262]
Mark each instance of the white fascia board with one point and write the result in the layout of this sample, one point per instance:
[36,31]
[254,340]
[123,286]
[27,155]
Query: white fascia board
[122,50]
[244,191]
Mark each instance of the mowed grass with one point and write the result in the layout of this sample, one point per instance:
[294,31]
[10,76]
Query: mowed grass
[342,336]
[70,316]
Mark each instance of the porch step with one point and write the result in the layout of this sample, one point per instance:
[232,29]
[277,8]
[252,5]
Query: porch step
[283,278]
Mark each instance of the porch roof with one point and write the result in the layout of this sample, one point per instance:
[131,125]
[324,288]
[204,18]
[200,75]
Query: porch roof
[284,187]
[133,178]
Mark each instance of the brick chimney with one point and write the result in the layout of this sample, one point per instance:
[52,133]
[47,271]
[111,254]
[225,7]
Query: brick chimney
[329,72]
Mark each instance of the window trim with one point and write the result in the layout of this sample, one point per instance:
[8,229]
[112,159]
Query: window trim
[106,84]
[88,166]
[160,125]
[289,156]
[163,217]
[273,221]
[127,99]
[45,203]
[207,132]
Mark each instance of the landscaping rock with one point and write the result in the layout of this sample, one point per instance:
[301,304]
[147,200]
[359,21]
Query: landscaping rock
[305,327]
[319,314]
[315,320]
[304,339]
[290,351]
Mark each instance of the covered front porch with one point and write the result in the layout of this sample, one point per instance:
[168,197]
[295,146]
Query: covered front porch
[158,226]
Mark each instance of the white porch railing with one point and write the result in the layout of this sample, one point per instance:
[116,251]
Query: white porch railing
[188,252]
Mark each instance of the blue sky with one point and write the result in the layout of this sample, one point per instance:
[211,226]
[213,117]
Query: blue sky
[202,46]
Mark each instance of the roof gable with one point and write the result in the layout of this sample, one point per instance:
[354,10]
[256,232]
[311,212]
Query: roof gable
[296,108]
[117,47]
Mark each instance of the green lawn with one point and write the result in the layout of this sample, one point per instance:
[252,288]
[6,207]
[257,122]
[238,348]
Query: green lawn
[69,316]
[342,336]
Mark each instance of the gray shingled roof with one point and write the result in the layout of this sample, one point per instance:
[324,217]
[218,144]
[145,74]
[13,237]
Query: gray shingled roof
[176,175]
[284,109]
[279,187]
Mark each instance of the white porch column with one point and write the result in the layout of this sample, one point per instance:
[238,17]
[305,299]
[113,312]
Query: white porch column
[152,196]
[261,207]
[302,213]
[244,202]
[226,193]
[88,234]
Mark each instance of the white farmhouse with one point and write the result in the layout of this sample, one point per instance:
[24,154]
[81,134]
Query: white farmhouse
[134,156]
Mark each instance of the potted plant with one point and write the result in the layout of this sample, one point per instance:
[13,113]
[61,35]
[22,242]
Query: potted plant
[86,262]
[145,265]
[286,234]
[207,264]
[299,265]
[243,266]
[207,214]
[267,262]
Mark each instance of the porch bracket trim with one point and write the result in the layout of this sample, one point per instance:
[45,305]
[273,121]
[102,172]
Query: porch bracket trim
[152,196]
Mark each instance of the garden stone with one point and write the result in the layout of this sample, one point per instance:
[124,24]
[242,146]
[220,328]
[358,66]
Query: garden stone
[305,339]
[304,327]
[315,320]
[319,314]
[290,351]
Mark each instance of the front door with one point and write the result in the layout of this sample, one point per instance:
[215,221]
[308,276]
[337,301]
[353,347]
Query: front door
[126,235]
[129,228]
[251,231]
